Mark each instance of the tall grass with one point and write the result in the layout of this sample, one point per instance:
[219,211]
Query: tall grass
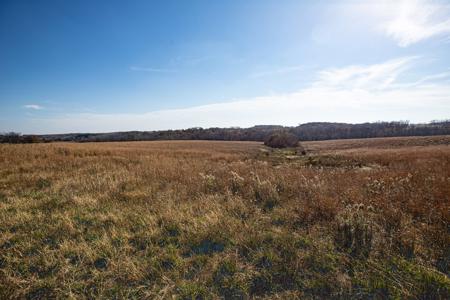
[200,220]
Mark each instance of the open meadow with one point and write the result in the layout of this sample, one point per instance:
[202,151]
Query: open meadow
[358,219]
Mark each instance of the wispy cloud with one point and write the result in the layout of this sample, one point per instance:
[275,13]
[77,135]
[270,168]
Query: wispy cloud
[440,78]
[278,71]
[33,106]
[152,70]
[416,20]
[370,77]
[357,93]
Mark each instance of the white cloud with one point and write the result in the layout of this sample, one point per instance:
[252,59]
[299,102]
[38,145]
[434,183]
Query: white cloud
[372,77]
[443,77]
[33,106]
[349,94]
[411,21]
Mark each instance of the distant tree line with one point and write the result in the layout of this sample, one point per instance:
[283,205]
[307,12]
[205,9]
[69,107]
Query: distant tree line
[17,138]
[331,131]
[304,132]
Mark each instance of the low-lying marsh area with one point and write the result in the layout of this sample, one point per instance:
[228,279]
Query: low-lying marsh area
[235,220]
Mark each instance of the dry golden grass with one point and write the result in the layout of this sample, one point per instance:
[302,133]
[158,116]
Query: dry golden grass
[197,219]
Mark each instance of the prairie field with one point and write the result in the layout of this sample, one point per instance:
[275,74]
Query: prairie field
[355,219]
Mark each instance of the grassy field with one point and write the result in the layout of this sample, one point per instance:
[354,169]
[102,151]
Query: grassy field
[200,220]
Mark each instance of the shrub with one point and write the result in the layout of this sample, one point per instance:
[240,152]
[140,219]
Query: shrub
[281,139]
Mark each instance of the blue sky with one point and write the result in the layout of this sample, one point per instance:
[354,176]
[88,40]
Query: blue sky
[95,66]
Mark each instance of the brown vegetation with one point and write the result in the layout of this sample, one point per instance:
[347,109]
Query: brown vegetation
[281,139]
[200,220]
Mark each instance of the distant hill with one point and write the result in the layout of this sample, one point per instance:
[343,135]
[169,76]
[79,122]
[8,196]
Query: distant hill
[305,132]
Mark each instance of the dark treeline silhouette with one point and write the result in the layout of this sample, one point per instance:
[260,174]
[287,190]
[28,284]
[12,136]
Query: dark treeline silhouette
[17,138]
[305,132]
